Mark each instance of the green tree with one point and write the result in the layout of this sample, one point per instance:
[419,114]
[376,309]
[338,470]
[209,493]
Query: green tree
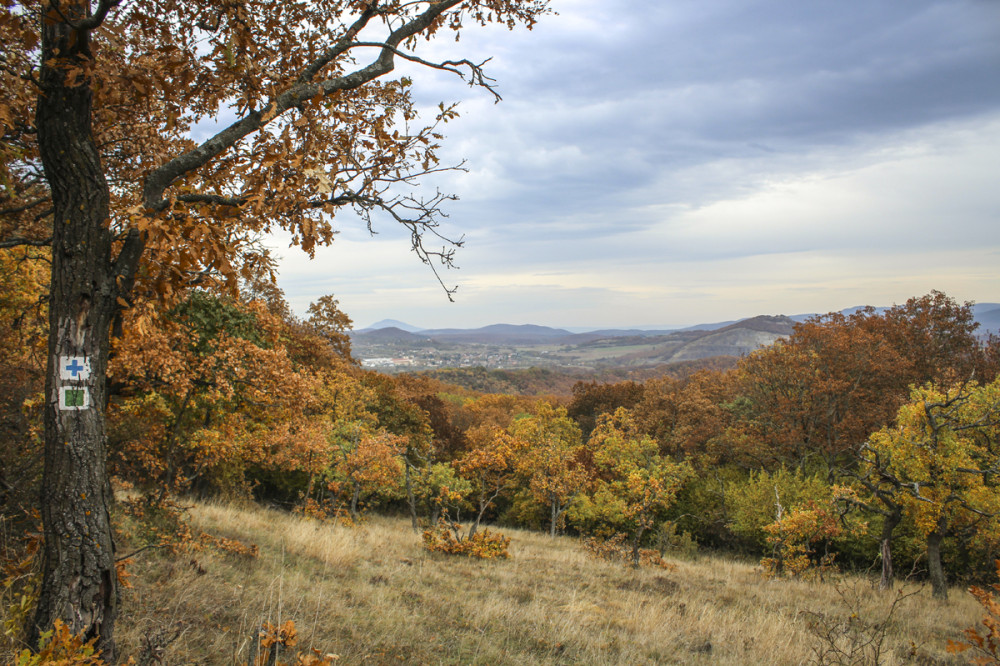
[632,473]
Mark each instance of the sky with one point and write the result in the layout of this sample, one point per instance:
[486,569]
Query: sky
[664,163]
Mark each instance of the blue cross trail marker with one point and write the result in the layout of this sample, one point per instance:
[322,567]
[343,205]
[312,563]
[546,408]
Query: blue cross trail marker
[74,368]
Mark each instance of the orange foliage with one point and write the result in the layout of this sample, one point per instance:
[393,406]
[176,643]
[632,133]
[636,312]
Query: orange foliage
[59,647]
[986,646]
[794,536]
[447,538]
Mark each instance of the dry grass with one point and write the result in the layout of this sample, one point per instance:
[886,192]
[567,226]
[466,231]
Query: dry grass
[371,595]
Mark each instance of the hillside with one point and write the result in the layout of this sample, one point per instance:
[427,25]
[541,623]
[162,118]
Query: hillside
[506,347]
[372,595]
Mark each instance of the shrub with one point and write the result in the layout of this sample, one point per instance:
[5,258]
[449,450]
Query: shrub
[986,647]
[616,549]
[447,538]
[274,640]
[59,647]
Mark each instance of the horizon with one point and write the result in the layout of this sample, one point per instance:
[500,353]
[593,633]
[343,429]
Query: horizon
[587,329]
[697,162]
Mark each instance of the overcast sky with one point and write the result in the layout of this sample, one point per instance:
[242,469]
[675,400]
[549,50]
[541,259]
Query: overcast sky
[672,162]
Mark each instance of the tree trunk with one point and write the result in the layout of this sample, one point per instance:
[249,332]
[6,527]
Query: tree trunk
[410,499]
[79,585]
[355,496]
[483,505]
[553,518]
[891,521]
[939,585]
[636,541]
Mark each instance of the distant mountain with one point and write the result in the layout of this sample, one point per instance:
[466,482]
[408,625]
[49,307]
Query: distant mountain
[526,334]
[710,327]
[391,323]
[738,339]
[988,317]
[507,346]
[389,335]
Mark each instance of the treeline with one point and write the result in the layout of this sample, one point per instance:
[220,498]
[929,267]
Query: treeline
[862,440]
[560,381]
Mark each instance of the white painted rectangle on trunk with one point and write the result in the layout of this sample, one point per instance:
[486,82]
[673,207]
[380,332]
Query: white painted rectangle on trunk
[74,368]
[74,398]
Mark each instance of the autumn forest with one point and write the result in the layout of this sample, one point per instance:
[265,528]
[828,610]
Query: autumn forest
[155,383]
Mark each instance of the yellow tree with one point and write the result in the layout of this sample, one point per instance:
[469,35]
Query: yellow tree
[551,460]
[491,467]
[940,462]
[369,462]
[97,100]
[633,473]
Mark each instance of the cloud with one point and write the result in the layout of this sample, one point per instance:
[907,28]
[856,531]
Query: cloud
[661,161]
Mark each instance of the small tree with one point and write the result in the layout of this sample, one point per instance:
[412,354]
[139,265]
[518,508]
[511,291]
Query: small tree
[551,460]
[490,467]
[632,472]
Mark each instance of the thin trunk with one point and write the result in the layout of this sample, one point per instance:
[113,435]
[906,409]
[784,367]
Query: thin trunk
[79,584]
[410,499]
[355,496]
[891,521]
[483,505]
[635,546]
[554,518]
[939,585]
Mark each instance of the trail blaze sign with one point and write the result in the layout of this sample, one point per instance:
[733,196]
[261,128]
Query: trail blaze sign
[74,372]
[74,398]
[74,368]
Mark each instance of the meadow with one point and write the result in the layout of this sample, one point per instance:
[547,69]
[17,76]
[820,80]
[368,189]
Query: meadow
[370,594]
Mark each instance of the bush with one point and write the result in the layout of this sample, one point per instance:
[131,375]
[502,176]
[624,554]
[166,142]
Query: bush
[616,549]
[985,647]
[59,646]
[447,538]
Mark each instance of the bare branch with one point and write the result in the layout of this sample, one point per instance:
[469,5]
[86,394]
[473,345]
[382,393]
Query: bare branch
[17,242]
[20,209]
[160,179]
[477,75]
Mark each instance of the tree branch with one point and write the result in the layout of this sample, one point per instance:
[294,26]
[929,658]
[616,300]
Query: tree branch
[160,179]
[20,209]
[17,242]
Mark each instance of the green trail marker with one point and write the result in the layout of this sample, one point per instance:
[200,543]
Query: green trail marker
[74,398]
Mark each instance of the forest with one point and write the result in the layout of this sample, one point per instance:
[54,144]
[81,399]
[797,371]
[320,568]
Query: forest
[186,458]
[860,443]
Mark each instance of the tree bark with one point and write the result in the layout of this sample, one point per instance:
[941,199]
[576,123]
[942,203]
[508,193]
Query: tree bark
[891,521]
[939,586]
[79,584]
[355,496]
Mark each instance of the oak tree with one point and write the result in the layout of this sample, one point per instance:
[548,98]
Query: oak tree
[633,475]
[551,461]
[939,464]
[98,161]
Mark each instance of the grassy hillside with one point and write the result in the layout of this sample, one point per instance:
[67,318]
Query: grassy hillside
[371,595]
